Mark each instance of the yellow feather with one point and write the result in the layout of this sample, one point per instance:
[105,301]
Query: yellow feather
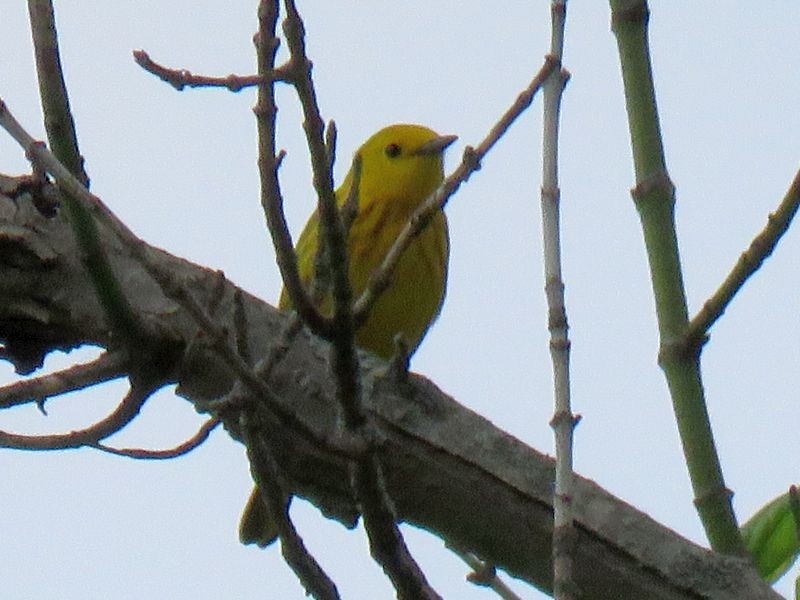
[401,166]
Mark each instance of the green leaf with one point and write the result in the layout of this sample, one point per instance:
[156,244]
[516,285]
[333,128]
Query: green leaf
[771,536]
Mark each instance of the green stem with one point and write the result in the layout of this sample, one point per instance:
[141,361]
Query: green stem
[655,201]
[58,120]
[63,141]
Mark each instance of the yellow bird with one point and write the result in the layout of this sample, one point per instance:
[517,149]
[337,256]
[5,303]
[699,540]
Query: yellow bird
[401,166]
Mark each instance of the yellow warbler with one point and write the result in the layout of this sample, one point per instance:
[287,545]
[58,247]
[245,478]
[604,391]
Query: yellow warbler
[401,166]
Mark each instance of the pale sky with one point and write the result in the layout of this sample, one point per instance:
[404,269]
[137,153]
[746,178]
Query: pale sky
[180,170]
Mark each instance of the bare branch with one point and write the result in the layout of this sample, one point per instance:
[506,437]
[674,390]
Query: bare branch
[267,476]
[269,161]
[180,450]
[183,78]
[67,182]
[298,73]
[83,208]
[749,262]
[485,575]
[444,466]
[217,336]
[563,421]
[116,421]
[108,366]
[53,90]
[470,163]
[380,520]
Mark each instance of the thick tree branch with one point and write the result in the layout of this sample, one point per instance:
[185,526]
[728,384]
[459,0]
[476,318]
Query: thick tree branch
[447,469]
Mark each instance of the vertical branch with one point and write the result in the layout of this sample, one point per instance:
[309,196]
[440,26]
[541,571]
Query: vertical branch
[332,241]
[58,120]
[64,143]
[655,201]
[344,359]
[380,521]
[269,160]
[563,422]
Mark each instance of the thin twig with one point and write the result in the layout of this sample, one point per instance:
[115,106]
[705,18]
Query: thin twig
[563,421]
[183,78]
[749,262]
[470,163]
[180,450]
[125,412]
[298,73]
[266,474]
[380,521]
[485,575]
[108,366]
[269,160]
[52,89]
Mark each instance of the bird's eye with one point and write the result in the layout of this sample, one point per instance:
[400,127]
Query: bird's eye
[393,150]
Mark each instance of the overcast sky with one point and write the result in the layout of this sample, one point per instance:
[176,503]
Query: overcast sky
[180,170]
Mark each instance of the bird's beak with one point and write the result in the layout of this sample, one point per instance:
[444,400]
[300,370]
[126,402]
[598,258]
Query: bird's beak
[436,145]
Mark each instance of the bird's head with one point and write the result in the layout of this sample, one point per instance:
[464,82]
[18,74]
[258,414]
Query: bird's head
[402,163]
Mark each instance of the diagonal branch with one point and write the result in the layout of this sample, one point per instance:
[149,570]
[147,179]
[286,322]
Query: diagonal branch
[444,465]
[749,262]
[140,252]
[269,161]
[53,90]
[298,72]
[470,163]
[83,207]
[110,365]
